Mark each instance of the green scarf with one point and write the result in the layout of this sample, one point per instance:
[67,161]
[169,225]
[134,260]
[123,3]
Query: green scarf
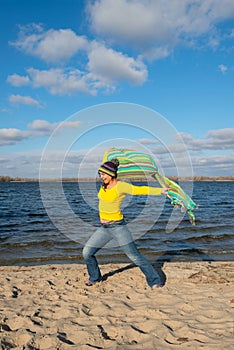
[137,165]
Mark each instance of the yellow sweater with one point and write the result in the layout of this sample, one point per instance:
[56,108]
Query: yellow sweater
[110,200]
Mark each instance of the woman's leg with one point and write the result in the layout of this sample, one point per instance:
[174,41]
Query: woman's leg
[94,244]
[135,256]
[123,236]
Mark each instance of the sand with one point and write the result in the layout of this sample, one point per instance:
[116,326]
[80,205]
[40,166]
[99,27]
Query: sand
[49,307]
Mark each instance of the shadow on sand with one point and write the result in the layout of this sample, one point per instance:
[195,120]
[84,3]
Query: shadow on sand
[186,255]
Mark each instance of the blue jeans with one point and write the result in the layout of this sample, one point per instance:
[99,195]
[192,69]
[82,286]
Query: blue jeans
[117,230]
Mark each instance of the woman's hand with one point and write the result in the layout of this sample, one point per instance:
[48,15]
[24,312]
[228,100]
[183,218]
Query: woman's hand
[165,190]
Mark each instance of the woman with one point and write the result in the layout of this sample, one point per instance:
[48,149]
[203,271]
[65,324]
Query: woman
[112,226]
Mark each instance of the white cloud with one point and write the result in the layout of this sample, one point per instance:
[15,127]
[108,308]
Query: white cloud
[59,81]
[216,165]
[50,46]
[107,66]
[206,165]
[158,25]
[18,80]
[44,127]
[105,69]
[22,164]
[27,164]
[152,28]
[222,139]
[146,141]
[205,154]
[232,34]
[11,136]
[26,100]
[69,124]
[60,45]
[5,110]
[223,68]
[38,128]
[3,160]
[132,21]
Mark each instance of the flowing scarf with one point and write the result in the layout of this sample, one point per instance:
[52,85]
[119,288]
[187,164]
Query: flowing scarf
[137,165]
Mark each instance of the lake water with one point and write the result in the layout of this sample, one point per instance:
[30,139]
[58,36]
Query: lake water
[29,236]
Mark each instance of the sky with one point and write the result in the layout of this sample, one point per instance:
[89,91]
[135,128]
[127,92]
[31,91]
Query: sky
[79,76]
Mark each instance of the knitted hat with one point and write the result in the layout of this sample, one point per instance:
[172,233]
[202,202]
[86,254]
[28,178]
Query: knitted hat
[110,167]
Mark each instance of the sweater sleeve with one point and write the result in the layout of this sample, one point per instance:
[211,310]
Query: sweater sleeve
[126,188]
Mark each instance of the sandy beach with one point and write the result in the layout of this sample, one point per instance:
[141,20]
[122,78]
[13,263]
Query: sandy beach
[49,307]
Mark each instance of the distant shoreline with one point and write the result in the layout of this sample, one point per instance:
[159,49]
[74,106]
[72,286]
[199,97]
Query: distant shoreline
[174,178]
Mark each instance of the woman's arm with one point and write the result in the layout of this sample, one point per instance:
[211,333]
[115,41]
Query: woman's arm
[124,187]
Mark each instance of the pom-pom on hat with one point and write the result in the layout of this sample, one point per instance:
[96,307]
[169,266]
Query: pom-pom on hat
[110,167]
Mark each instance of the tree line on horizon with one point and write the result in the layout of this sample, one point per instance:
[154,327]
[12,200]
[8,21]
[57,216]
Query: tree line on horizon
[174,178]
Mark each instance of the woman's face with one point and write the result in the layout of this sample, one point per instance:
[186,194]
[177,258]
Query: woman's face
[105,177]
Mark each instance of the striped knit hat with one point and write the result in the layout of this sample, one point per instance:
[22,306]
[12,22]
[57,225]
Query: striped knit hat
[110,167]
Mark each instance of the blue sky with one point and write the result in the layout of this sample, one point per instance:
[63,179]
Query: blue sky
[60,58]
